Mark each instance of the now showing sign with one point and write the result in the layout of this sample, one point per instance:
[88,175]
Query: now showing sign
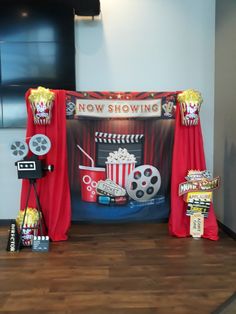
[105,108]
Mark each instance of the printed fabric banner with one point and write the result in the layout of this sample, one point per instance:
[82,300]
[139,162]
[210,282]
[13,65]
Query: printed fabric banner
[120,155]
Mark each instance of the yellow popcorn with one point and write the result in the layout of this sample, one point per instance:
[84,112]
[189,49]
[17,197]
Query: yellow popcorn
[31,217]
[190,95]
[41,94]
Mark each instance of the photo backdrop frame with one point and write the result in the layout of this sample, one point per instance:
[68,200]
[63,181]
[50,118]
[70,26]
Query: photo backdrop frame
[188,153]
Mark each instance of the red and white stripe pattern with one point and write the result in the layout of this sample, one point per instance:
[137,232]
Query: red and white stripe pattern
[118,172]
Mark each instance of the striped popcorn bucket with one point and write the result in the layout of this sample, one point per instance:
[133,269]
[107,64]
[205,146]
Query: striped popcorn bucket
[190,113]
[118,172]
[42,112]
[28,233]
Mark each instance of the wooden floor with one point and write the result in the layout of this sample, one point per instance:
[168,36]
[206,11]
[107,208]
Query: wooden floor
[129,268]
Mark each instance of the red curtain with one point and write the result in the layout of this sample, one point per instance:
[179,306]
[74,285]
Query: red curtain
[53,189]
[188,154]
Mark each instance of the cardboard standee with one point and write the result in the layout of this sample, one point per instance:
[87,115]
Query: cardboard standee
[197,192]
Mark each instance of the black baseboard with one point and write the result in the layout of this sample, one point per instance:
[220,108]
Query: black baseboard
[118,222]
[227,230]
[5,222]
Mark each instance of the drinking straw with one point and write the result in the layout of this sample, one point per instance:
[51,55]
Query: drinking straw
[92,161]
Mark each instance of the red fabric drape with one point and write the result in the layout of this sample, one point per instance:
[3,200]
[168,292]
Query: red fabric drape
[53,189]
[188,153]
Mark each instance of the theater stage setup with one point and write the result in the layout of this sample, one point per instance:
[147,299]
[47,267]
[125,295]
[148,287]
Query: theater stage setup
[120,157]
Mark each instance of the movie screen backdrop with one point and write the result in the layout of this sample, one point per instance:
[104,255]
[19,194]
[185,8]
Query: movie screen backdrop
[120,155]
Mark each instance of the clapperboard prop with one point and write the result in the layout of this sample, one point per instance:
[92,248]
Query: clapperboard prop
[108,142]
[40,244]
[198,205]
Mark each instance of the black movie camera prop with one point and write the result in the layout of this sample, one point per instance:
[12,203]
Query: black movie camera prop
[31,168]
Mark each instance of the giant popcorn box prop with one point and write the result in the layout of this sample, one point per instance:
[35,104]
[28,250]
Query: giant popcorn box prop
[119,165]
[190,104]
[41,102]
[30,227]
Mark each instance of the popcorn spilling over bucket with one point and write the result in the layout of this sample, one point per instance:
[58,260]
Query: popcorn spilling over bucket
[119,165]
[30,228]
[28,233]
[190,104]
[41,101]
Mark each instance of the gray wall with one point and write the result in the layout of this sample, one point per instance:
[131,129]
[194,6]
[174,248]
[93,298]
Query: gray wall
[9,184]
[225,104]
[136,45]
[143,45]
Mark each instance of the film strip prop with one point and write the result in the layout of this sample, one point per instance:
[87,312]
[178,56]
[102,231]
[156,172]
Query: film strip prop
[108,142]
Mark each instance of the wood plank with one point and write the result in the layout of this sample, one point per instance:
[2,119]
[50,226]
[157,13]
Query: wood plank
[130,268]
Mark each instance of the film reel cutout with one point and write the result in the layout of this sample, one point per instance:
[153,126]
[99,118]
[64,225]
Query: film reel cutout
[39,144]
[143,183]
[18,149]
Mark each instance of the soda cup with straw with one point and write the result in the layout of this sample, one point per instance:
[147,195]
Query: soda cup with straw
[89,177]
